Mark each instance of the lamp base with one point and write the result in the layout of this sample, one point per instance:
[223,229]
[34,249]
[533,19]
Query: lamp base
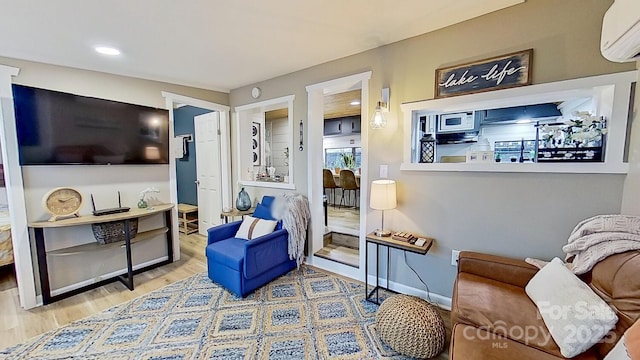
[382,232]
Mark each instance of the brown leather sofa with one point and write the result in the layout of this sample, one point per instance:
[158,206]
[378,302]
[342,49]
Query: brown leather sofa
[493,318]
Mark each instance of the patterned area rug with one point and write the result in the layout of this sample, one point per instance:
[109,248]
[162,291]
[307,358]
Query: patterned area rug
[306,314]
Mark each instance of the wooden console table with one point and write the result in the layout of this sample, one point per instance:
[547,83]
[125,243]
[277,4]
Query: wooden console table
[38,231]
[390,243]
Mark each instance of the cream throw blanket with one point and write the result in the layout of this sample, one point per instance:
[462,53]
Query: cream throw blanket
[596,238]
[293,210]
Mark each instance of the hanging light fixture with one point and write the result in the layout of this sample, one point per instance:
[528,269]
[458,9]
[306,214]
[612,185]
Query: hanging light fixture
[378,120]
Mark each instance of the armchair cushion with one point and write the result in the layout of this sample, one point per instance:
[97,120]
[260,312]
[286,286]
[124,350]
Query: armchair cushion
[263,212]
[229,252]
[253,228]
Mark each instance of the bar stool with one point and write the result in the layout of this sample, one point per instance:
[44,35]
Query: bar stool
[329,183]
[348,183]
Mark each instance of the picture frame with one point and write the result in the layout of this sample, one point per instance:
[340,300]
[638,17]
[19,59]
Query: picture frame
[256,143]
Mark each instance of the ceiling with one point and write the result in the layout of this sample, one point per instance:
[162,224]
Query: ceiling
[216,44]
[339,105]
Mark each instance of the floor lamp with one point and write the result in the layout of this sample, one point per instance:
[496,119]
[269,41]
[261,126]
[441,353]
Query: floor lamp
[383,197]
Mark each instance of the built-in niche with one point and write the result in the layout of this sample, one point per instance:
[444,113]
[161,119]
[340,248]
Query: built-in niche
[569,126]
[265,140]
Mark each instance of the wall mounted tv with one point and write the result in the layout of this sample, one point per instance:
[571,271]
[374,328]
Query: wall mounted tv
[56,128]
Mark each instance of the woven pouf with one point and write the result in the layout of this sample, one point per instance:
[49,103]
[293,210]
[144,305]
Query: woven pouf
[411,326]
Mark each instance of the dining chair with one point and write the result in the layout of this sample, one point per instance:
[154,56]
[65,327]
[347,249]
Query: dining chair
[329,183]
[348,183]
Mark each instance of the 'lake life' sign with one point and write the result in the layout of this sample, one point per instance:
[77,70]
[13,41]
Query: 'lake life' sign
[495,73]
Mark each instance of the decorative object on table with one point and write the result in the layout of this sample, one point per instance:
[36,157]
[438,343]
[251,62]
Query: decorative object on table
[255,144]
[378,120]
[427,149]
[575,140]
[113,231]
[411,326]
[142,202]
[301,147]
[243,202]
[383,197]
[495,73]
[62,202]
[404,236]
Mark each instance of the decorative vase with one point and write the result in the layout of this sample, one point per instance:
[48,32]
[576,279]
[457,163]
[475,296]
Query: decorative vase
[244,201]
[142,204]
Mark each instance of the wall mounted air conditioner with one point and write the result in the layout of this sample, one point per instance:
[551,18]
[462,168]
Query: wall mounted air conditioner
[621,31]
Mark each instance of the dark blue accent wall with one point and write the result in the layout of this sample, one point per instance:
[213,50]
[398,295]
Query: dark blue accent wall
[186,167]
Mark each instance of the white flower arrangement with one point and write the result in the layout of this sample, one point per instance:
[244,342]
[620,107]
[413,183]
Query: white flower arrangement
[574,132]
[144,192]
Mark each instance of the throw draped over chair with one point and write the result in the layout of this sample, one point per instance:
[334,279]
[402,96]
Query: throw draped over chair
[348,183]
[329,183]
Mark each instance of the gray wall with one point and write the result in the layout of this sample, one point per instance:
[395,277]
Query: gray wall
[517,215]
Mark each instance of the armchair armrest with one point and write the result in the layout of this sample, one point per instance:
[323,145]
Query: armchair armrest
[222,232]
[265,252]
[499,268]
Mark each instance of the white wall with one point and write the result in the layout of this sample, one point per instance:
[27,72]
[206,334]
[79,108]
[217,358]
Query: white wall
[278,130]
[101,181]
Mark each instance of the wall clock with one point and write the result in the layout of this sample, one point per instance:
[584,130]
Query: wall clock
[62,202]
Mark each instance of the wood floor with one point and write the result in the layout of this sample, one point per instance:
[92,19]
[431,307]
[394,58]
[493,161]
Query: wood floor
[343,220]
[18,325]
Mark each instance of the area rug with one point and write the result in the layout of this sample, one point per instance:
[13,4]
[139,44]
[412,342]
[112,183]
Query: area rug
[306,314]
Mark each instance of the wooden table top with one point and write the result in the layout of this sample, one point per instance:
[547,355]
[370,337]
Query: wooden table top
[92,219]
[402,245]
[236,212]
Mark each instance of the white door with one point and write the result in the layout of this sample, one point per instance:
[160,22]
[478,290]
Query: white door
[208,170]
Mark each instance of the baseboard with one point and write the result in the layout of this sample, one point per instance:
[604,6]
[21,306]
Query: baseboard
[441,300]
[103,277]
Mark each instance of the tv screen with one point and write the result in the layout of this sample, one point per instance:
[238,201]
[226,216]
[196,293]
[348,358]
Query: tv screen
[60,128]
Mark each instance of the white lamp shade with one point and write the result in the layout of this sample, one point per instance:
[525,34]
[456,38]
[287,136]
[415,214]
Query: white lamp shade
[383,195]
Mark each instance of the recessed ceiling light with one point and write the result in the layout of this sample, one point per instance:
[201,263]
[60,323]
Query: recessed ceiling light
[106,50]
[355,102]
[523,121]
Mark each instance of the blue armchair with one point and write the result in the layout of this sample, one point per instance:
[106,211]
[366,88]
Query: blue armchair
[241,265]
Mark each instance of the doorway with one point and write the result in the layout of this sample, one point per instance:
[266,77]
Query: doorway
[200,170]
[342,157]
[320,159]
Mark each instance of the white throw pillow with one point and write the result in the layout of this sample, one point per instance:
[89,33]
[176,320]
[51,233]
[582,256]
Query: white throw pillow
[575,316]
[252,228]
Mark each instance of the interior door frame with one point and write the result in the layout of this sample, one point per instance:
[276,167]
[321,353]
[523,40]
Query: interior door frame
[316,93]
[225,155]
[219,182]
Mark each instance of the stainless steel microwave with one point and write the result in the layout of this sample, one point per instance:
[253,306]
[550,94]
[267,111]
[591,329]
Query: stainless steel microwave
[456,123]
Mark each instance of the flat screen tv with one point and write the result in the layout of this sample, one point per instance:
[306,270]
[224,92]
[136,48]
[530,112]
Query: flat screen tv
[56,128]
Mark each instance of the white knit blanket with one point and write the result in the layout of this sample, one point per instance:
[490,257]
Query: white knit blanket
[599,237]
[596,238]
[293,210]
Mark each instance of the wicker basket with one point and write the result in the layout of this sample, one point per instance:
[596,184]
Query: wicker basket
[113,231]
[411,326]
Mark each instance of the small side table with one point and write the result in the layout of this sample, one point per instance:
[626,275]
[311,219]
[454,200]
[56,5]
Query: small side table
[187,218]
[390,243]
[225,215]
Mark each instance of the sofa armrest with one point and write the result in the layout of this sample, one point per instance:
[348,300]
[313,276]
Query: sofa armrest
[499,268]
[222,232]
[265,252]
